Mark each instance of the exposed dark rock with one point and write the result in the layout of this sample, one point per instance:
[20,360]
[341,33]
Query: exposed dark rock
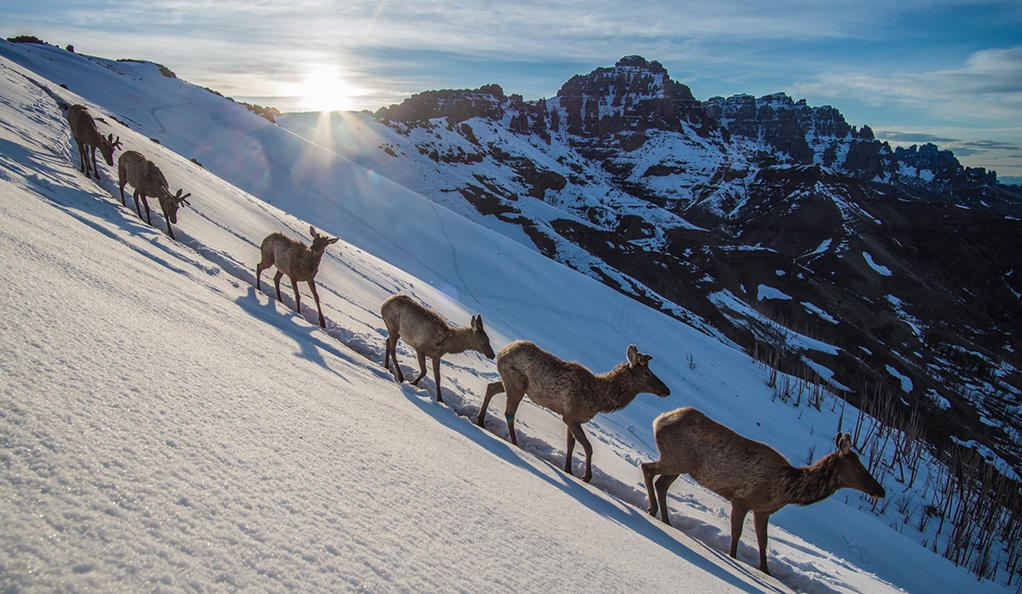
[457,106]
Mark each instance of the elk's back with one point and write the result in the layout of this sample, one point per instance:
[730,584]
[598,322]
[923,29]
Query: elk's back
[81,123]
[548,381]
[731,465]
[420,327]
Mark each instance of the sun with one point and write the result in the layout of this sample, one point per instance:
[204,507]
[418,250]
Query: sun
[323,88]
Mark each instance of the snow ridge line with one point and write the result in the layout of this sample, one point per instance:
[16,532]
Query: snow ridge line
[63,105]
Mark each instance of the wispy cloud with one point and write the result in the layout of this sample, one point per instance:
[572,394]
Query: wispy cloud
[914,137]
[988,87]
[987,145]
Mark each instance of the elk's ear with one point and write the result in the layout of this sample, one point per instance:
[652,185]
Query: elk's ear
[334,240]
[312,230]
[633,355]
[477,322]
[644,358]
[843,442]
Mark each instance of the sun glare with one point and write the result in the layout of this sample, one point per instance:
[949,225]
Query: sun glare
[323,88]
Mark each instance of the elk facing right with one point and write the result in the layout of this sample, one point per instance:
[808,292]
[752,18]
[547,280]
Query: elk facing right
[295,259]
[751,475]
[429,335]
[88,139]
[568,389]
[147,179]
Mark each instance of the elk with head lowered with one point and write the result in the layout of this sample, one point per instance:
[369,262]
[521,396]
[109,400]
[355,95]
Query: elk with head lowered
[88,139]
[147,179]
[568,389]
[750,474]
[429,335]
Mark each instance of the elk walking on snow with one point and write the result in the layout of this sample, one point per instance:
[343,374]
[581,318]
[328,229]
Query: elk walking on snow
[568,389]
[295,259]
[429,335]
[750,474]
[88,139]
[147,180]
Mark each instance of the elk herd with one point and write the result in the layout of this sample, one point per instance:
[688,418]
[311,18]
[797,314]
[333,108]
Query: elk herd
[751,475]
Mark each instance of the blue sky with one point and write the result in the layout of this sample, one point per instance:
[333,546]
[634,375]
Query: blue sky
[942,72]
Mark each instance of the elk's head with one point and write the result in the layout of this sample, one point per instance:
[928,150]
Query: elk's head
[851,473]
[481,340]
[638,366]
[171,202]
[107,148]
[320,242]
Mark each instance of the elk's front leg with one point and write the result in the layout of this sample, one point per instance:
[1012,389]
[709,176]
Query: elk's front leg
[761,521]
[315,295]
[436,378]
[580,435]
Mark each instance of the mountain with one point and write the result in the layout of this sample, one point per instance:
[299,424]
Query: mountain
[164,424]
[766,222]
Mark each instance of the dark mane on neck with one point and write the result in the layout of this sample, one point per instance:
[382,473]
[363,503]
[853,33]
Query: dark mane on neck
[810,484]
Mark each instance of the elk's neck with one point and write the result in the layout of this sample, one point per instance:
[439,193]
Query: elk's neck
[310,264]
[458,340]
[810,484]
[613,390]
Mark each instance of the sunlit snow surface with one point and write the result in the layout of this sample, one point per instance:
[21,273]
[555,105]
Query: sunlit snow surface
[164,424]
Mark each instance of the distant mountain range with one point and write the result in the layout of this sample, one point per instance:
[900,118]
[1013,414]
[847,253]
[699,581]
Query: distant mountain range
[889,273]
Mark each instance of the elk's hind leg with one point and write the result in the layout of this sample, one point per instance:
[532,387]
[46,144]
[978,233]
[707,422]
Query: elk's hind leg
[662,485]
[492,389]
[422,367]
[738,513]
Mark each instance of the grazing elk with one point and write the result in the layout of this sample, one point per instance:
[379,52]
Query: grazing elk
[568,389]
[87,136]
[751,475]
[147,180]
[429,335]
[295,259]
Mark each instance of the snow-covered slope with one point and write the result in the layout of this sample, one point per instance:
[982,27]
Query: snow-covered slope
[164,423]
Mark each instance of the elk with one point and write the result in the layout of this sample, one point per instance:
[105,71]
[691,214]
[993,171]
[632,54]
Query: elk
[429,335]
[87,136]
[750,474]
[295,259]
[147,179]
[568,389]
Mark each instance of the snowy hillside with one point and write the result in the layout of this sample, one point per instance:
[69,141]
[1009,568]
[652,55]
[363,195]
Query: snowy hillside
[164,424]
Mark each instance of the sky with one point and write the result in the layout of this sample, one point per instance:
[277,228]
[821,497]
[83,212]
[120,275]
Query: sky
[947,72]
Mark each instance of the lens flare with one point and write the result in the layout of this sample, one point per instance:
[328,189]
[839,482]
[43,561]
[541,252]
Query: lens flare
[324,88]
